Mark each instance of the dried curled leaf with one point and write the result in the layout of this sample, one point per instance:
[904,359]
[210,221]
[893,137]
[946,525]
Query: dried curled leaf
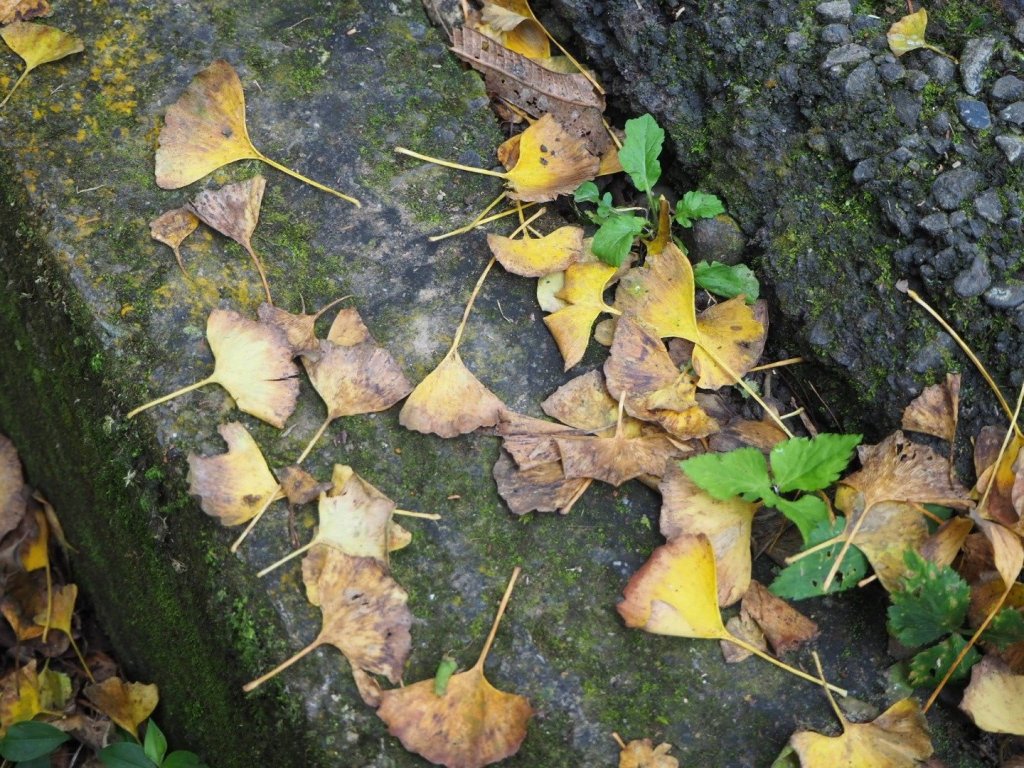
[538,256]
[785,628]
[171,229]
[23,10]
[299,486]
[538,488]
[232,486]
[898,738]
[641,753]
[934,411]
[13,491]
[37,44]
[127,704]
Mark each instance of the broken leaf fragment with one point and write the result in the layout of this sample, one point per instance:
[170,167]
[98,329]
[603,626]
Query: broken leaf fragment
[583,291]
[19,696]
[205,129]
[171,229]
[993,698]
[236,485]
[37,44]
[898,738]
[538,256]
[471,725]
[641,753]
[13,491]
[253,362]
[538,488]
[934,411]
[512,24]
[23,10]
[300,328]
[234,211]
[127,704]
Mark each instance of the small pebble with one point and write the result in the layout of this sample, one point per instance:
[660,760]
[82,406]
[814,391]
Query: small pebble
[973,114]
[974,280]
[935,224]
[989,206]
[1013,113]
[846,54]
[835,33]
[1008,88]
[917,80]
[862,81]
[973,62]
[1012,146]
[1005,295]
[941,69]
[952,188]
[835,10]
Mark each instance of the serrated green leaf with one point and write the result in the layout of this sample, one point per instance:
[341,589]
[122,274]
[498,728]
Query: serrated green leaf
[640,151]
[1005,629]
[614,239]
[697,205]
[183,759]
[125,754]
[932,602]
[807,512]
[723,280]
[930,665]
[804,578]
[810,464]
[742,472]
[155,745]
[586,192]
[29,740]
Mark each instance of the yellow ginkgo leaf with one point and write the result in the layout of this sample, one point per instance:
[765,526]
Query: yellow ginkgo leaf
[907,34]
[253,362]
[127,704]
[584,293]
[538,256]
[552,162]
[898,738]
[993,698]
[19,696]
[641,753]
[451,401]
[171,228]
[732,338]
[37,44]
[61,618]
[232,486]
[661,295]
[513,26]
[205,129]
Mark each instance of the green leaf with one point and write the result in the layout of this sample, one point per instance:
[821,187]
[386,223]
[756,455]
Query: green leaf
[640,150]
[445,670]
[614,239]
[807,512]
[43,761]
[697,205]
[932,602]
[183,759]
[787,758]
[930,665]
[605,209]
[155,745]
[586,192]
[30,740]
[804,578]
[723,280]
[125,754]
[742,472]
[1005,629]
[810,464]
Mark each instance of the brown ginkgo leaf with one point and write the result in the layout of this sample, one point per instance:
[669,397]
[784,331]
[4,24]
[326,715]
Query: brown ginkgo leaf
[470,725]
[300,328]
[934,411]
[232,486]
[365,616]
[171,229]
[538,488]
[785,628]
[253,362]
[234,211]
[127,704]
[23,10]
[641,753]
[205,129]
[37,44]
[13,491]
[299,486]
[451,401]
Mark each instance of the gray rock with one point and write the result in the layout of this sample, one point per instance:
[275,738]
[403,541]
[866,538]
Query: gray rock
[974,114]
[862,82]
[1008,88]
[795,41]
[891,71]
[941,123]
[846,54]
[1005,295]
[1012,146]
[717,239]
[989,206]
[974,61]
[974,280]
[917,80]
[1018,31]
[941,69]
[789,76]
[908,107]
[1013,113]
[865,170]
[862,21]
[952,188]
[835,10]
[835,33]
[935,224]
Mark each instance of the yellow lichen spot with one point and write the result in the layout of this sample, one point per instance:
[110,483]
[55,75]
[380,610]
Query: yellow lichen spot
[80,136]
[126,310]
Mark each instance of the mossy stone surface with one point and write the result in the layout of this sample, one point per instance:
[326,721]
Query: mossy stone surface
[95,318]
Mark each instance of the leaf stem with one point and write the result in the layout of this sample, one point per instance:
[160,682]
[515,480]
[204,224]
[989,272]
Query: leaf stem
[970,355]
[313,440]
[449,164]
[570,57]
[81,659]
[497,619]
[777,364]
[469,306]
[780,664]
[845,548]
[422,515]
[480,220]
[251,686]
[748,389]
[262,272]
[16,84]
[300,177]
[294,553]
[278,494]
[165,398]
[1002,451]
[828,693]
[811,550]
[618,740]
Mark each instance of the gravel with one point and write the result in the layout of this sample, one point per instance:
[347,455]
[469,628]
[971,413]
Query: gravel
[974,61]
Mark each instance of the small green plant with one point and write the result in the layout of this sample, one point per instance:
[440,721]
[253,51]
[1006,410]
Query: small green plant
[152,753]
[29,744]
[932,605]
[799,464]
[806,577]
[619,228]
